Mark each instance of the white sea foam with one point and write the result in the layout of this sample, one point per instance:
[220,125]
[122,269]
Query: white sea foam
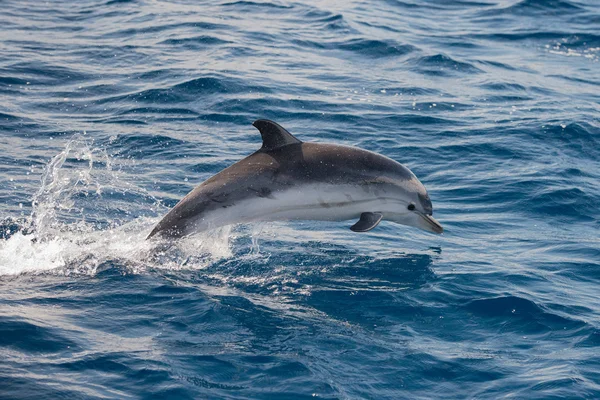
[65,234]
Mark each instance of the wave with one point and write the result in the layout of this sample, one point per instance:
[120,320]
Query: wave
[196,42]
[537,7]
[442,65]
[189,90]
[575,202]
[520,315]
[365,47]
[252,5]
[153,29]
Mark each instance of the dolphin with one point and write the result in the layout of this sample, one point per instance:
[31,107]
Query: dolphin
[287,179]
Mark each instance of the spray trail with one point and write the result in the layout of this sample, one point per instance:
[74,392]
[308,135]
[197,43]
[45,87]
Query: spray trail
[86,216]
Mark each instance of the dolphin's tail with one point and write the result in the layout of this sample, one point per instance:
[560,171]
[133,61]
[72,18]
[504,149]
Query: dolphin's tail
[172,232]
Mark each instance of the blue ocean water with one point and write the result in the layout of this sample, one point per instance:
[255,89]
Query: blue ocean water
[111,111]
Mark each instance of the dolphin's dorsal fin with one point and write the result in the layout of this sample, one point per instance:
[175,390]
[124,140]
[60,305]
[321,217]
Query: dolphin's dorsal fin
[273,134]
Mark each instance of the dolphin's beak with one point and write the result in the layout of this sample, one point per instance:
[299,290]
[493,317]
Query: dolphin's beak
[431,224]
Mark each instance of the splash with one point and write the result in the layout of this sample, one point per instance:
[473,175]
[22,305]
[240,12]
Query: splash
[564,48]
[86,217]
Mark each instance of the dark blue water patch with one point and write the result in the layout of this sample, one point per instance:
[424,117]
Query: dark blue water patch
[329,21]
[412,118]
[274,107]
[143,146]
[195,43]
[234,51]
[152,29]
[578,271]
[376,48]
[15,387]
[569,39]
[508,99]
[442,65]
[439,106]
[411,271]
[204,383]
[540,195]
[112,2]
[578,80]
[120,57]
[232,118]
[497,64]
[504,87]
[410,6]
[7,81]
[89,92]
[109,364]
[155,112]
[251,5]
[373,24]
[256,384]
[477,153]
[193,90]
[463,44]
[369,48]
[411,91]
[8,118]
[579,137]
[440,370]
[459,4]
[148,115]
[28,337]
[160,75]
[588,19]
[559,388]
[122,121]
[261,321]
[533,8]
[566,203]
[568,311]
[366,308]
[592,340]
[319,14]
[43,73]
[519,315]
[117,369]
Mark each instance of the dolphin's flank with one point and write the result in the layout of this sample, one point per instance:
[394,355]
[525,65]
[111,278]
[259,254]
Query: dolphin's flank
[287,179]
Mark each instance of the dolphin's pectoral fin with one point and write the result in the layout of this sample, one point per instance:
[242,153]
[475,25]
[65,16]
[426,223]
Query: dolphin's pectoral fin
[367,221]
[273,134]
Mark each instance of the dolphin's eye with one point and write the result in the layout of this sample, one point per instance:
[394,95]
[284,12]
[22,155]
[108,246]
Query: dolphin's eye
[411,206]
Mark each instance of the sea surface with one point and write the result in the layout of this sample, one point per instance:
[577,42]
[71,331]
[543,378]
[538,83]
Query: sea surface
[111,111]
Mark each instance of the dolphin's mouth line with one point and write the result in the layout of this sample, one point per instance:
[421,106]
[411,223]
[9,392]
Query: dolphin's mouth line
[435,226]
[332,205]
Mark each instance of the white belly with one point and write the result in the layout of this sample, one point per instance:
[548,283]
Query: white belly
[309,202]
